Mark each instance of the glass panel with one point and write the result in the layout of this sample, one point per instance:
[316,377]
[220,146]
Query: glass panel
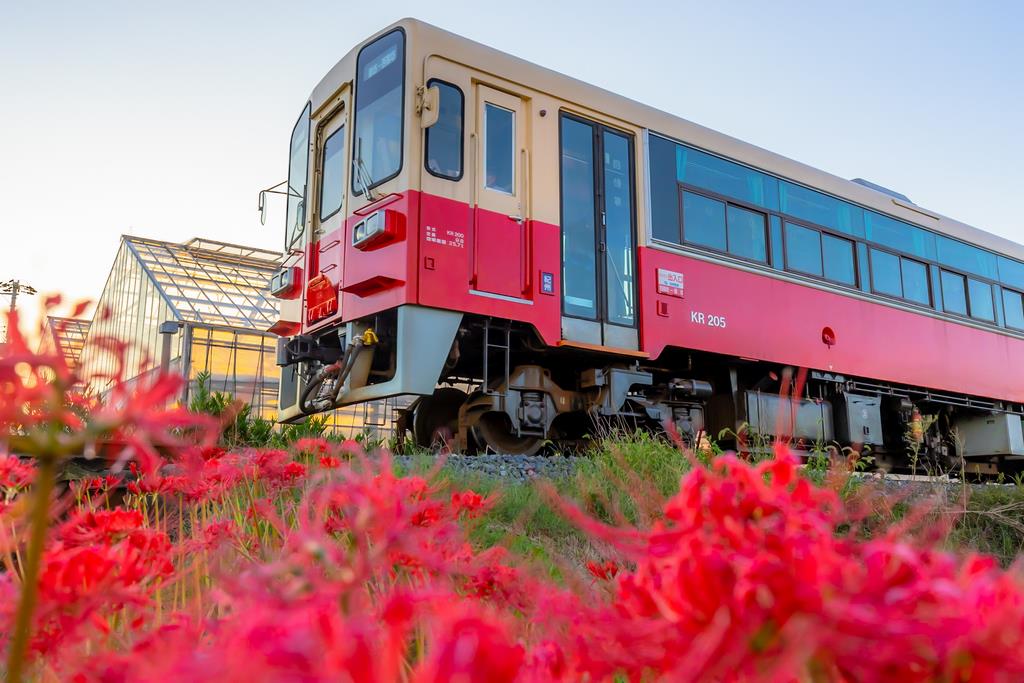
[333,191]
[746,233]
[954,295]
[726,177]
[579,260]
[915,281]
[1011,272]
[885,273]
[777,252]
[981,300]
[444,138]
[966,258]
[377,145]
[704,221]
[664,190]
[803,249]
[618,199]
[822,209]
[298,166]
[1014,309]
[499,148]
[837,255]
[899,235]
[864,266]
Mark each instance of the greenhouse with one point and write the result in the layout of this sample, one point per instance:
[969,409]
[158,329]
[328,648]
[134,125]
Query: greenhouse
[66,334]
[201,308]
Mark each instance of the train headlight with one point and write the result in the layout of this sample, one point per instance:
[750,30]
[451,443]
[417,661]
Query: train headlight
[377,228]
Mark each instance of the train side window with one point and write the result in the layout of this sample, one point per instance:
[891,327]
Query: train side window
[726,178]
[965,258]
[954,293]
[839,263]
[915,281]
[1013,305]
[499,148]
[444,138]
[816,207]
[332,185]
[885,273]
[745,232]
[981,300]
[664,190]
[704,221]
[803,249]
[898,235]
[1011,272]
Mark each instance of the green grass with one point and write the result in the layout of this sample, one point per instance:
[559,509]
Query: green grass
[629,477]
[626,480]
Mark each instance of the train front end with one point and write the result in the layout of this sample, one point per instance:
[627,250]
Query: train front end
[347,287]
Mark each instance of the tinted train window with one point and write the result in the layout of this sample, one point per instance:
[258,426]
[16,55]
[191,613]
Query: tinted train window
[954,293]
[380,87]
[803,249]
[746,233]
[579,250]
[332,188]
[704,221]
[837,255]
[298,166]
[499,148]
[1011,272]
[444,138]
[664,190]
[981,300]
[885,273]
[899,235]
[1013,306]
[966,258]
[819,208]
[727,178]
[915,281]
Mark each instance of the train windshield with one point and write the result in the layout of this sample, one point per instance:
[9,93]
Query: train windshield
[298,166]
[380,85]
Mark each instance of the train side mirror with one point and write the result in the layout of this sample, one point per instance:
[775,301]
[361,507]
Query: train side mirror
[429,106]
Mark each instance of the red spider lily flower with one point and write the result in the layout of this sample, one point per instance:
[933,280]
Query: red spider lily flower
[428,514]
[605,571]
[311,446]
[211,452]
[470,646]
[329,462]
[470,503]
[99,526]
[15,473]
[294,471]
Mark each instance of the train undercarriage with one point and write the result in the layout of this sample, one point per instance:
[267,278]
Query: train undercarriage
[500,389]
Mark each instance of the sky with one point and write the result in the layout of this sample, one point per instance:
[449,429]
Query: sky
[165,119]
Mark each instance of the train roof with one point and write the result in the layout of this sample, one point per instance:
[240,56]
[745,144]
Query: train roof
[434,40]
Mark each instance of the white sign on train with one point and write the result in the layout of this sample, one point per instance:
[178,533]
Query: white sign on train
[670,282]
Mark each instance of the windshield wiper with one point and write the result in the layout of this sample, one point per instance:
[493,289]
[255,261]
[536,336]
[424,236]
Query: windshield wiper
[362,174]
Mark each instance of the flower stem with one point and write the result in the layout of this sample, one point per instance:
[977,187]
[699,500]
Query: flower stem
[45,477]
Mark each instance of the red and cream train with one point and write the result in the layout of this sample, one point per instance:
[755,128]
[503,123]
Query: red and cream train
[532,255]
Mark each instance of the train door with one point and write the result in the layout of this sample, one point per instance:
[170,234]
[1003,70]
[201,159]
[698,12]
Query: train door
[598,221]
[329,207]
[500,220]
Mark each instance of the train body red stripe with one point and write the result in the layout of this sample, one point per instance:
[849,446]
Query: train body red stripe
[455,257]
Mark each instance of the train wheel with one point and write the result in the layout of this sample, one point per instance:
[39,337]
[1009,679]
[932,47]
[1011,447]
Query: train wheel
[436,417]
[494,431]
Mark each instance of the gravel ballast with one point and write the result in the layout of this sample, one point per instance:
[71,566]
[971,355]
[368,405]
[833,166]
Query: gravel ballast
[514,467]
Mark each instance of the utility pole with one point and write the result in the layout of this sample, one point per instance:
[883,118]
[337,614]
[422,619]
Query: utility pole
[13,288]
